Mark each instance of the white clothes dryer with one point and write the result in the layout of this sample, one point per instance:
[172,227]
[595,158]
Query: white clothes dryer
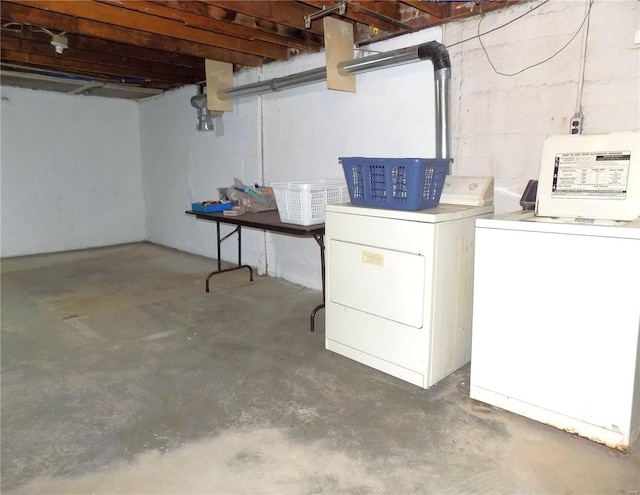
[399,284]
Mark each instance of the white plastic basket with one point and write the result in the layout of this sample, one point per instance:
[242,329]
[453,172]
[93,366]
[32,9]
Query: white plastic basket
[303,202]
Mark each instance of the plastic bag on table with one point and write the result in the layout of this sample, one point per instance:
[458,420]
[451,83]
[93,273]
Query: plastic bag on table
[254,198]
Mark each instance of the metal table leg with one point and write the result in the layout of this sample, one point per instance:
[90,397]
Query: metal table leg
[320,240]
[219,240]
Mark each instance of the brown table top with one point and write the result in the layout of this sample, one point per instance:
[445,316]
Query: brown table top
[265,220]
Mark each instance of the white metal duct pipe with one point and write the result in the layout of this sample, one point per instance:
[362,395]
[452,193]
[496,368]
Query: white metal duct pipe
[443,83]
[434,51]
[381,60]
[274,85]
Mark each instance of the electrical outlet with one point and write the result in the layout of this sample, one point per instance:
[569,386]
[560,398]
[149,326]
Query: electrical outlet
[576,125]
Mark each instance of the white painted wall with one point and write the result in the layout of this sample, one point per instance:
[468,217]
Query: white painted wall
[70,172]
[182,165]
[297,134]
[499,123]
[308,128]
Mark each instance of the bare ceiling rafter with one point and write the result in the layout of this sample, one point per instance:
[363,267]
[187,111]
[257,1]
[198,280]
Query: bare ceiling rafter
[163,44]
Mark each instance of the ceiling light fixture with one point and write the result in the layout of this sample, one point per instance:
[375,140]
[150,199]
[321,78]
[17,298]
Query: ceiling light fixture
[59,41]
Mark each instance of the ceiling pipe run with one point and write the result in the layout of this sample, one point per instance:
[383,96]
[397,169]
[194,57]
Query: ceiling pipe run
[434,51]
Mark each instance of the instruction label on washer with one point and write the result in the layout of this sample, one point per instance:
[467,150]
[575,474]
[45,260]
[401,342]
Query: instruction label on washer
[591,174]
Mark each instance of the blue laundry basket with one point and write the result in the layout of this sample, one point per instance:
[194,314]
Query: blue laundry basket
[395,183]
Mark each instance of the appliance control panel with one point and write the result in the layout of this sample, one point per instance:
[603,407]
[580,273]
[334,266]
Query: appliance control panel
[468,191]
[593,176]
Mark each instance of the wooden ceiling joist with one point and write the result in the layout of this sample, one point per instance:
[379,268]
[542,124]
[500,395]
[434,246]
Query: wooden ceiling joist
[384,16]
[307,39]
[120,64]
[187,17]
[286,13]
[435,9]
[60,22]
[92,69]
[164,43]
[113,15]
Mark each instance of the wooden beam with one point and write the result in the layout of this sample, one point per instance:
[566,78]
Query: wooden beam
[134,52]
[436,9]
[122,50]
[301,39]
[361,12]
[286,13]
[116,16]
[101,71]
[59,22]
[186,14]
[387,9]
[143,68]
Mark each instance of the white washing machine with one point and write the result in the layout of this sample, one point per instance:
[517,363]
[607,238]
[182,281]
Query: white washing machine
[556,308]
[399,283]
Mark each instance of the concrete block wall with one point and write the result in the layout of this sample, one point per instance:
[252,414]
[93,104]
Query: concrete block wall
[499,122]
[70,172]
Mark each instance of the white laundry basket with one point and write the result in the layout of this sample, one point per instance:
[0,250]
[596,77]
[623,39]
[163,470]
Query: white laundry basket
[303,202]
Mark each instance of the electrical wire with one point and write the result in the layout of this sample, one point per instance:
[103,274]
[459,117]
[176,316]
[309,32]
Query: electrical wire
[500,27]
[63,75]
[479,36]
[583,63]
[15,27]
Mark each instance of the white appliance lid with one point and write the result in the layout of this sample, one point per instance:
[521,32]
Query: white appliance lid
[441,213]
[470,191]
[527,221]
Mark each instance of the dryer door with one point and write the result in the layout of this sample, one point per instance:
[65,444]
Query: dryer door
[382,282]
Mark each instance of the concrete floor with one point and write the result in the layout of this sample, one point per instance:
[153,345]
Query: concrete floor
[120,375]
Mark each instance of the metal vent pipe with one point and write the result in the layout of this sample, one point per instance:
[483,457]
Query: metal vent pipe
[434,51]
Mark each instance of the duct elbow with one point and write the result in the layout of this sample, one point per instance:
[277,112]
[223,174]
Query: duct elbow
[437,53]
